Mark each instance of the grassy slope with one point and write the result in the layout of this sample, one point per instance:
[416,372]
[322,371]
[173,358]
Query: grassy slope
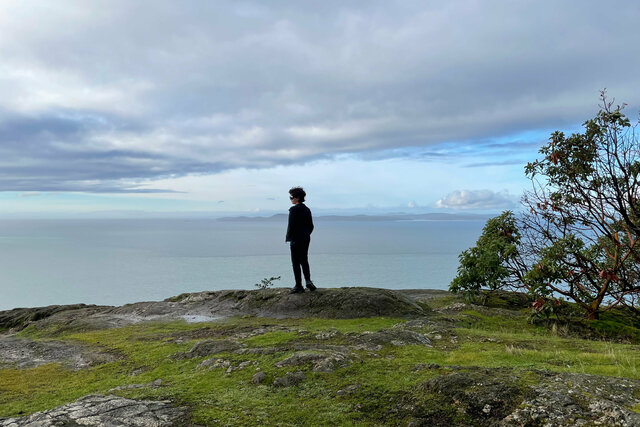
[479,337]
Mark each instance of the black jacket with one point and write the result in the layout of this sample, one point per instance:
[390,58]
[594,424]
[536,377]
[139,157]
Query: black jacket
[300,223]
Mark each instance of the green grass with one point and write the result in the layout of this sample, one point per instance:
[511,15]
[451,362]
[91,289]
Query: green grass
[380,380]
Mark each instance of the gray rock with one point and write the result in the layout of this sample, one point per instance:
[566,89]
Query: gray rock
[257,350]
[331,303]
[395,337]
[214,364]
[415,323]
[26,353]
[497,397]
[455,307]
[259,378]
[569,399]
[97,410]
[19,318]
[331,333]
[343,303]
[320,360]
[240,366]
[484,395]
[290,379]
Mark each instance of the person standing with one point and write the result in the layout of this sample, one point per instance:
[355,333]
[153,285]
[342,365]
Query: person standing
[299,231]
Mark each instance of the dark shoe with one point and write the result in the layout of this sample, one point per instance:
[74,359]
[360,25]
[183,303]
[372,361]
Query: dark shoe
[296,290]
[311,286]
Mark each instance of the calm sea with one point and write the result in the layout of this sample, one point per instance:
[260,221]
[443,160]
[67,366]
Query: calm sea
[114,262]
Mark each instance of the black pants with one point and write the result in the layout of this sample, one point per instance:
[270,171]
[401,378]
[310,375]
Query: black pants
[299,258]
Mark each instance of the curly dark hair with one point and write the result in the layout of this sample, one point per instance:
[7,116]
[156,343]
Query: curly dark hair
[298,193]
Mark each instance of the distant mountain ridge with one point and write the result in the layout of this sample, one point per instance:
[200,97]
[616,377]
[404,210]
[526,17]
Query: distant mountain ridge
[367,218]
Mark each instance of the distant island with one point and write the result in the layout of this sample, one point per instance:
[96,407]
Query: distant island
[368,218]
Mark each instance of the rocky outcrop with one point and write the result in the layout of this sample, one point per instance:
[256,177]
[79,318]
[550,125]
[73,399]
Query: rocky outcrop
[395,337]
[506,397]
[18,318]
[579,399]
[100,410]
[330,303]
[25,353]
[340,303]
[484,395]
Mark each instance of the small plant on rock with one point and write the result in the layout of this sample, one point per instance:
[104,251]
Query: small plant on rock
[266,283]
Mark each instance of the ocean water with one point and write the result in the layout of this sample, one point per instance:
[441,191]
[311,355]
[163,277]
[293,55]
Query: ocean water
[113,262]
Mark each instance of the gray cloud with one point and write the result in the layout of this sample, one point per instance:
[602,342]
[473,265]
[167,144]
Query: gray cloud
[96,96]
[477,199]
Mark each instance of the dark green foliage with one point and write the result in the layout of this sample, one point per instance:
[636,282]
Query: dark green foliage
[506,299]
[486,265]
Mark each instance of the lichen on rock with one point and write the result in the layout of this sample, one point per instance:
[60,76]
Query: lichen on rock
[98,410]
[26,353]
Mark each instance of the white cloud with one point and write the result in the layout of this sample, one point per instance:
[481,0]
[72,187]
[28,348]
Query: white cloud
[477,200]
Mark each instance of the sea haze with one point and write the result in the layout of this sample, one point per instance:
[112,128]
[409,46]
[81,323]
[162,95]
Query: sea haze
[118,261]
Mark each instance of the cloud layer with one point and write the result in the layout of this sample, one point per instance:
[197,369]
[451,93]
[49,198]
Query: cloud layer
[99,96]
[477,200]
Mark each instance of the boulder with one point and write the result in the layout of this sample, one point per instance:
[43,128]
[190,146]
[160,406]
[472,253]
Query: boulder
[259,377]
[290,379]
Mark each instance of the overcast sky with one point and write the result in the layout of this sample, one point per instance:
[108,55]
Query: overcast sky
[222,106]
